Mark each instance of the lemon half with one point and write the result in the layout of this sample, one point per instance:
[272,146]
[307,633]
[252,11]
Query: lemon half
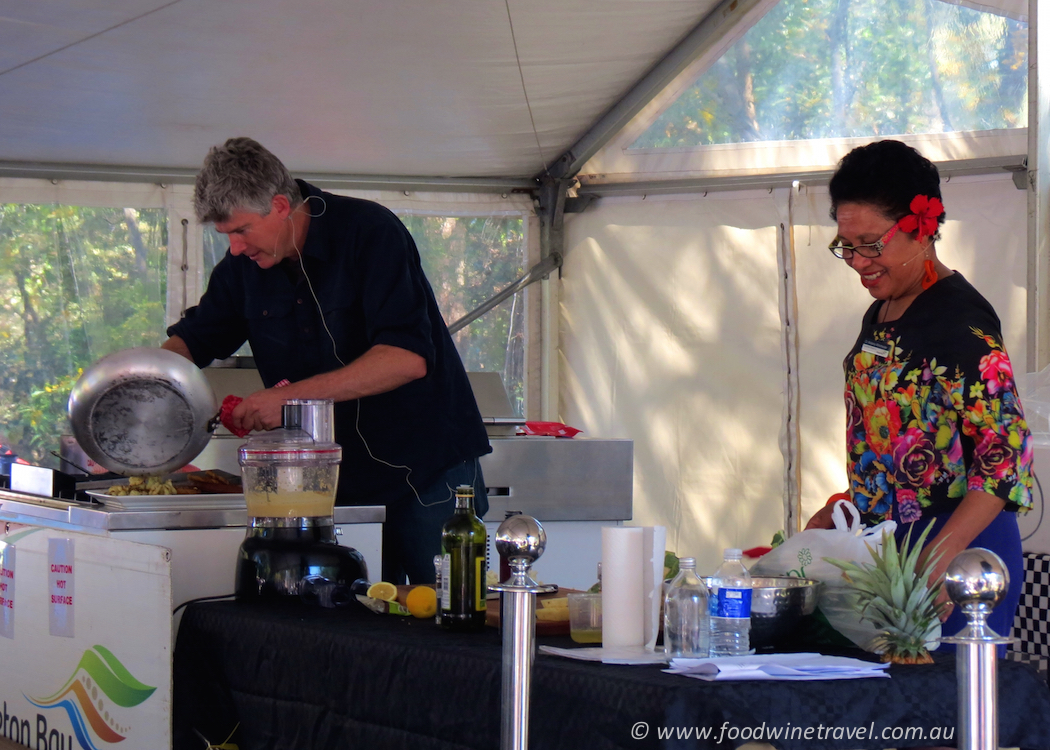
[384,591]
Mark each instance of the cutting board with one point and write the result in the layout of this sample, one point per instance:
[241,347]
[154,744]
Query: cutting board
[492,614]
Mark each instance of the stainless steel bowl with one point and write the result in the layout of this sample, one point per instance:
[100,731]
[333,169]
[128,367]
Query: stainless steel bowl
[778,604]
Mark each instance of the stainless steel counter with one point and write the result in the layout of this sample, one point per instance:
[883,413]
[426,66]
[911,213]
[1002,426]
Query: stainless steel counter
[23,508]
[560,479]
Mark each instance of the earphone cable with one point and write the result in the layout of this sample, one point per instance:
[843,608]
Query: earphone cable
[335,352]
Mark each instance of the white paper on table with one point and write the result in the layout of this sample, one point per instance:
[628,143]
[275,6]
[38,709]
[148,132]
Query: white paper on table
[654,544]
[609,654]
[805,666]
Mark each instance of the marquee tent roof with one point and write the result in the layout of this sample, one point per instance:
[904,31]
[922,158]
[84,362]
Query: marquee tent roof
[406,87]
[343,87]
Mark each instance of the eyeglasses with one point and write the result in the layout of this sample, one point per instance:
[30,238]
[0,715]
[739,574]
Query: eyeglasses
[840,249]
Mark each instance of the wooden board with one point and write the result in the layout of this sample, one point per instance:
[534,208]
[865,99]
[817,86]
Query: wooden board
[492,615]
[492,611]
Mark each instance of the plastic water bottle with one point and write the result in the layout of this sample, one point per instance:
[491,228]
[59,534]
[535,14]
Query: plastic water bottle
[730,607]
[687,631]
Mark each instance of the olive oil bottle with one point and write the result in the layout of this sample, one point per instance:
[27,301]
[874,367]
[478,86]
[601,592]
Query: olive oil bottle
[463,586]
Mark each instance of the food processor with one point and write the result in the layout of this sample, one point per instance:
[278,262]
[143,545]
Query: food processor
[290,476]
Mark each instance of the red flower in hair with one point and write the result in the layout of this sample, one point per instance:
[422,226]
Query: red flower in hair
[924,213]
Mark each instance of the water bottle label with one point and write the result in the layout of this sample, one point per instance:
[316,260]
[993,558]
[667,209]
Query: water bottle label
[731,603]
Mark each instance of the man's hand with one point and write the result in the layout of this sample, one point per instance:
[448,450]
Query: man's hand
[380,369]
[261,410]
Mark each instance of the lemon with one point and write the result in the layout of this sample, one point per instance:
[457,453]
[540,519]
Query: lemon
[422,602]
[387,592]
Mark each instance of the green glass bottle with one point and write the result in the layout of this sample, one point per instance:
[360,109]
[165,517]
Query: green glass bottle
[463,586]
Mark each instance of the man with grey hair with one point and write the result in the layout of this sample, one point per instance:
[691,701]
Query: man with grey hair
[330,293]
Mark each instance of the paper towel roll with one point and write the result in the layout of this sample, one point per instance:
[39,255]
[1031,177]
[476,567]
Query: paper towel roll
[623,597]
[654,544]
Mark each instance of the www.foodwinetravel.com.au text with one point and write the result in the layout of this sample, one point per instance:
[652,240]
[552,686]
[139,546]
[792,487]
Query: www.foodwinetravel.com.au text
[767,732]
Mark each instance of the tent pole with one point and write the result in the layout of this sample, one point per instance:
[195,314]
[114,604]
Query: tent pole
[551,211]
[1038,342]
[716,27]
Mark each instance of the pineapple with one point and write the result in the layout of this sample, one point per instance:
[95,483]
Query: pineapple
[897,600]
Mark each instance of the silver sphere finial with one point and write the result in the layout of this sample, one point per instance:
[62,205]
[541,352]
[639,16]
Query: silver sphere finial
[977,578]
[521,536]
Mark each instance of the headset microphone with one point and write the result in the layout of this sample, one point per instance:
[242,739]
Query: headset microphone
[921,252]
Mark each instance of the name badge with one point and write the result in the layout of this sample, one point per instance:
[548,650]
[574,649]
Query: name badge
[873,347]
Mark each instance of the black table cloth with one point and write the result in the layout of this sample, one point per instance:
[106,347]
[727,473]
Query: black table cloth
[289,676]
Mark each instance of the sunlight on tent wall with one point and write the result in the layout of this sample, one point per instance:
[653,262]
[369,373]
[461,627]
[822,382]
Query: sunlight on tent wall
[672,337]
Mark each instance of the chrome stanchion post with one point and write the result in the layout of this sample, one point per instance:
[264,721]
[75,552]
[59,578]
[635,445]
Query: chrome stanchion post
[977,580]
[521,540]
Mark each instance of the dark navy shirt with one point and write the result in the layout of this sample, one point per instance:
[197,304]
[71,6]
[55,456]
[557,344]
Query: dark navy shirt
[369,283]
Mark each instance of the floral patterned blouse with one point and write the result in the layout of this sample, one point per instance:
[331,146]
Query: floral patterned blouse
[932,409]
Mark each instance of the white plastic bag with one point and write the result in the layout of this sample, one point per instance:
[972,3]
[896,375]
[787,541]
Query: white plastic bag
[803,556]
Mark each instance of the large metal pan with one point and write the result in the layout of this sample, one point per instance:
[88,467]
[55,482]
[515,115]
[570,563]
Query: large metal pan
[143,411]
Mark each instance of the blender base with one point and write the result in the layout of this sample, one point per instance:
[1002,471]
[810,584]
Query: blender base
[274,559]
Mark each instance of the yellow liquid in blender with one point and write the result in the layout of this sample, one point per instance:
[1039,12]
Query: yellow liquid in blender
[289,504]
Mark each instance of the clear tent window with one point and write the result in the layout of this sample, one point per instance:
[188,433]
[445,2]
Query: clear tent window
[815,69]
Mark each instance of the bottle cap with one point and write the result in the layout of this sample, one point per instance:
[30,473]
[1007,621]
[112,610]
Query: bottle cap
[686,562]
[733,554]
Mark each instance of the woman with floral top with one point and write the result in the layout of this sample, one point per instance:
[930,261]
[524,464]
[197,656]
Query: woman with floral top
[935,430]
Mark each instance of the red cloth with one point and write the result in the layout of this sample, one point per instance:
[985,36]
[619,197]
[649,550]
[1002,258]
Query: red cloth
[226,415]
[556,429]
[230,403]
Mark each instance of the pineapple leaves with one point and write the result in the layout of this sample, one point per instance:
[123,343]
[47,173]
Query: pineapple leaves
[896,597]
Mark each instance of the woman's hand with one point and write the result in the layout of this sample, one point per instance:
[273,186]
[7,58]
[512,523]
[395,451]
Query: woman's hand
[822,519]
[975,512]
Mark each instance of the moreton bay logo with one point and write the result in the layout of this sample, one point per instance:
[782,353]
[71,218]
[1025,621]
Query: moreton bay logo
[99,682]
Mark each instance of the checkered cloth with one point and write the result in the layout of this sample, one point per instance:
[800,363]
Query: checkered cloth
[1032,622]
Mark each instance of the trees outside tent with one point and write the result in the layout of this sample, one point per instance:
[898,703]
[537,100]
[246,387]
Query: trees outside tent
[855,68]
[468,260]
[75,284]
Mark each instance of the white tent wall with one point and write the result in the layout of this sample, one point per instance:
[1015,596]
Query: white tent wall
[672,334]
